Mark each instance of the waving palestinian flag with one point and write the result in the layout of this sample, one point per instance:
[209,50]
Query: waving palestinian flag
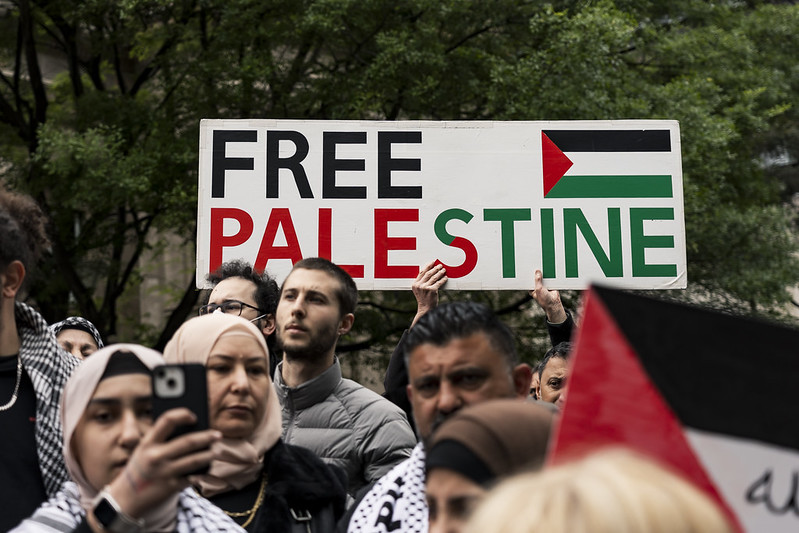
[714,396]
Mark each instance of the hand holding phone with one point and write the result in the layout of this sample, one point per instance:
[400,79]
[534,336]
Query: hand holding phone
[182,385]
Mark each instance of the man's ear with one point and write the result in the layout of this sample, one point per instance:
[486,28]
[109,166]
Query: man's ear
[522,375]
[13,276]
[269,325]
[409,392]
[346,324]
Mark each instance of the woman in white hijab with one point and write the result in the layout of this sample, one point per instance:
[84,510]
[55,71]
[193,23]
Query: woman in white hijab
[125,475]
[264,484]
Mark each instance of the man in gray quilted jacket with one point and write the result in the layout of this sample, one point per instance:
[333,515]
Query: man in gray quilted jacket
[343,422]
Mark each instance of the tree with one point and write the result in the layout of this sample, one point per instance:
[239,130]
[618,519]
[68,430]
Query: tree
[107,140]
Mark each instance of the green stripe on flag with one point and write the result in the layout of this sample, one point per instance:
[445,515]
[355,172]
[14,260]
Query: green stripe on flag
[612,187]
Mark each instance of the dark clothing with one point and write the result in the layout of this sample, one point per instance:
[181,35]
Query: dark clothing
[561,332]
[396,379]
[298,485]
[22,489]
[46,368]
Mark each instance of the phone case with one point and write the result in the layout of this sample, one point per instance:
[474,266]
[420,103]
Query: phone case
[181,385]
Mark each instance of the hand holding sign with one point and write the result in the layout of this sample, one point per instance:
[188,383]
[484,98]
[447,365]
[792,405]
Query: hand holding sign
[425,288]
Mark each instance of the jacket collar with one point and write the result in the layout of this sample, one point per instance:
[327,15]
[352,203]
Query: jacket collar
[311,392]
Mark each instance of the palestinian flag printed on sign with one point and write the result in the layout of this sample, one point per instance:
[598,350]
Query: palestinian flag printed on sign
[569,158]
[714,396]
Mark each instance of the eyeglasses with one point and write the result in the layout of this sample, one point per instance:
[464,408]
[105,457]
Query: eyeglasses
[233,307]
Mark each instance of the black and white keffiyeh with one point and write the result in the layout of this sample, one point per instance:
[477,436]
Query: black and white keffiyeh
[396,502]
[63,512]
[78,322]
[48,367]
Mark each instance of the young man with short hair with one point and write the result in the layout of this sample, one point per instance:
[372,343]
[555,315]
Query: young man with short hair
[341,421]
[33,371]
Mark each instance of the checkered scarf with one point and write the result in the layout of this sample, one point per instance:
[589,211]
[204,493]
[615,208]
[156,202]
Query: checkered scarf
[63,512]
[48,367]
[80,323]
[396,502]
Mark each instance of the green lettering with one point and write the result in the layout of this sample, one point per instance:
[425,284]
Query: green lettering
[610,264]
[507,217]
[440,225]
[548,243]
[640,242]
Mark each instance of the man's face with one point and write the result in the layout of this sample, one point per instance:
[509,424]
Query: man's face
[465,371]
[308,315]
[242,290]
[534,386]
[554,381]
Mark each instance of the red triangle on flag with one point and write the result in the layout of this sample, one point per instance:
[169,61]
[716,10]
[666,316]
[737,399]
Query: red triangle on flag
[613,402]
[554,162]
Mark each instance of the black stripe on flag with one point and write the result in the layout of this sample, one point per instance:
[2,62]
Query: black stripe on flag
[611,140]
[719,373]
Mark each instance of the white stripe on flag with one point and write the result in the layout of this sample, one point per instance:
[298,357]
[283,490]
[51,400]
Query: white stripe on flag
[739,467]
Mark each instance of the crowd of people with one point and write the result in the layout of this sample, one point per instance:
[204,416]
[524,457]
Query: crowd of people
[458,442]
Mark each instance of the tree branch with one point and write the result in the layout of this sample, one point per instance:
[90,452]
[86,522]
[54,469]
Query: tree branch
[178,315]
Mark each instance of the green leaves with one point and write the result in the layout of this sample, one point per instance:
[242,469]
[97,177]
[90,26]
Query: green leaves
[115,153]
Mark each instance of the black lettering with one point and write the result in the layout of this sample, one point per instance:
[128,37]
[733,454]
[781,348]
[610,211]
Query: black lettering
[385,516]
[386,165]
[761,492]
[330,165]
[293,163]
[220,163]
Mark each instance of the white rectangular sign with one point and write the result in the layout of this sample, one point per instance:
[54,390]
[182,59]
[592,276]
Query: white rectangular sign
[583,201]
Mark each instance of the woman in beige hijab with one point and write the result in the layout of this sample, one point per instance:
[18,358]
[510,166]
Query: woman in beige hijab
[262,483]
[125,475]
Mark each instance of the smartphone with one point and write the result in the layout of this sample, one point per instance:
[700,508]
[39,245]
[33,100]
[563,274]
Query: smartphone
[182,385]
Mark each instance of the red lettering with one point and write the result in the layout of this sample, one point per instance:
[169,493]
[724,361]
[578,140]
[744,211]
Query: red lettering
[384,243]
[219,240]
[268,250]
[326,242]
[469,262]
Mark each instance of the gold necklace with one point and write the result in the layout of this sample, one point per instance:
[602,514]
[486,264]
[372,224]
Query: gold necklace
[251,513]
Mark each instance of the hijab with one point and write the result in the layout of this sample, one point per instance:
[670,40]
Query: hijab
[77,394]
[80,323]
[238,462]
[492,439]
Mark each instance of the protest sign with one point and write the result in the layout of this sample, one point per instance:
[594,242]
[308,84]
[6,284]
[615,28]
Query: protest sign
[711,395]
[493,201]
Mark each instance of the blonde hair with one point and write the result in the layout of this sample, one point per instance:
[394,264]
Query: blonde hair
[613,491]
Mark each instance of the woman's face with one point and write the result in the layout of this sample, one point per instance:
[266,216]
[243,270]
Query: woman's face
[451,497]
[110,428]
[77,342]
[238,380]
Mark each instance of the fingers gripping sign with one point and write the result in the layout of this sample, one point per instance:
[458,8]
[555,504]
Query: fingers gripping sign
[425,287]
[548,300]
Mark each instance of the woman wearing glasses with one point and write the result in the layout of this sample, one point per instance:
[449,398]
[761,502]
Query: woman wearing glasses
[262,483]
